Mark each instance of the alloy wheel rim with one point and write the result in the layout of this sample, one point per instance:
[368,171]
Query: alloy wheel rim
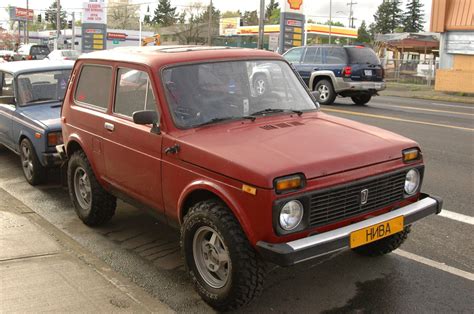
[211,257]
[27,162]
[323,92]
[82,188]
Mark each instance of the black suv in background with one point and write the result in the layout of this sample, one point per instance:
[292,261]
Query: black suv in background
[347,71]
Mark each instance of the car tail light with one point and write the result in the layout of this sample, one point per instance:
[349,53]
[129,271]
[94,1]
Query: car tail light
[29,57]
[347,71]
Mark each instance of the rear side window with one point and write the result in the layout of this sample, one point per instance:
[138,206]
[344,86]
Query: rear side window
[362,55]
[294,55]
[39,50]
[334,55]
[134,92]
[94,85]
[312,55]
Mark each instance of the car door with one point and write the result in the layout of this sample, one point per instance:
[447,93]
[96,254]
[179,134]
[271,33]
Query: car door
[7,108]
[311,62]
[131,151]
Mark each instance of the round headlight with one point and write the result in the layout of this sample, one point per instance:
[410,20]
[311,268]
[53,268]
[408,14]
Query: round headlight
[412,181]
[291,215]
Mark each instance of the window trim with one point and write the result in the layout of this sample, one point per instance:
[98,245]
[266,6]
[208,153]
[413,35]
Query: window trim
[88,105]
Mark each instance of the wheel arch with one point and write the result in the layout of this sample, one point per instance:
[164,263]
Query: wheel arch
[202,190]
[321,75]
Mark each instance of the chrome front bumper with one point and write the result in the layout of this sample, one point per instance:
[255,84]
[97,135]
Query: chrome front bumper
[286,254]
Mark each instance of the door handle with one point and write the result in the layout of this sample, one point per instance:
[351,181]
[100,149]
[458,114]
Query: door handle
[109,126]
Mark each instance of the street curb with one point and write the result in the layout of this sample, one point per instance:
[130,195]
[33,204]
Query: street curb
[134,292]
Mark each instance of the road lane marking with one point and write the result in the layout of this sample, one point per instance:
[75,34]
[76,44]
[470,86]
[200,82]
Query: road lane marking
[398,119]
[455,106]
[455,216]
[437,265]
[426,109]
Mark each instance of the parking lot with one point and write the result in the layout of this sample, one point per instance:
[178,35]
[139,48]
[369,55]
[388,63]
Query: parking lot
[433,272]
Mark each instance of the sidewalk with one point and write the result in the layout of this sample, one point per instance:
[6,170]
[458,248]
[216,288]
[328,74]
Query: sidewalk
[43,270]
[424,92]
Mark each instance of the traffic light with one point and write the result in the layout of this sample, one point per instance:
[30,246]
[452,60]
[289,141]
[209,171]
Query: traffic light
[39,18]
[46,17]
[69,24]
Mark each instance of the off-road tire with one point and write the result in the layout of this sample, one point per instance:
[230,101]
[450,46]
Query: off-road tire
[326,91]
[248,271]
[103,204]
[38,174]
[361,99]
[385,245]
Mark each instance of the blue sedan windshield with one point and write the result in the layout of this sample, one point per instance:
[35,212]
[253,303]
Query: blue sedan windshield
[40,87]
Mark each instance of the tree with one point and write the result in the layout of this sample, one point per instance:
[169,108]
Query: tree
[333,23]
[165,14]
[363,34]
[123,17]
[274,17]
[147,19]
[250,18]
[413,18]
[51,13]
[388,17]
[190,26]
[270,10]
[231,14]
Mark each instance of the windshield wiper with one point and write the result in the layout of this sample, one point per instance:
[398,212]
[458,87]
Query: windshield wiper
[215,120]
[40,100]
[274,110]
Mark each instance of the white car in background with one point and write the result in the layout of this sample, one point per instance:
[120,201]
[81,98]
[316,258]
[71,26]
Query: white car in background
[63,55]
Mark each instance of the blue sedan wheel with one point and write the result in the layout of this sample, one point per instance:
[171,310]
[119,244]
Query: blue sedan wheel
[32,169]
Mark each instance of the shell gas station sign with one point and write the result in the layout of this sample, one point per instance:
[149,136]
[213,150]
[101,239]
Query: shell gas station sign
[292,25]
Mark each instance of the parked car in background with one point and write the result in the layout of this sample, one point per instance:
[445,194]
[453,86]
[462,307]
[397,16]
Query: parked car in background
[63,55]
[248,177]
[347,71]
[31,94]
[32,52]
[7,55]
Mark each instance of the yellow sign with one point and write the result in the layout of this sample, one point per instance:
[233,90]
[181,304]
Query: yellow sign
[297,30]
[295,4]
[297,36]
[97,36]
[98,42]
[376,232]
[98,46]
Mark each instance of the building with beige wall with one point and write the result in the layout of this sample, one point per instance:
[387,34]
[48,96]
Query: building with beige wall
[454,19]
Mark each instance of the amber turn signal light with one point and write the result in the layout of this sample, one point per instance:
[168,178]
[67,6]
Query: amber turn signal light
[289,183]
[55,138]
[411,155]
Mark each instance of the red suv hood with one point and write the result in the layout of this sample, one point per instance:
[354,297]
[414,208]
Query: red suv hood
[315,144]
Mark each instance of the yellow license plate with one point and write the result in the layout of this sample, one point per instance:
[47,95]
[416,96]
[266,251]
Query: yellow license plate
[376,232]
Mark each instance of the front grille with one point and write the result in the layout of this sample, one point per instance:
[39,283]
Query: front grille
[338,203]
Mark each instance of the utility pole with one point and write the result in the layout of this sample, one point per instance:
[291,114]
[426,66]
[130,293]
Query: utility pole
[330,20]
[261,25]
[73,35]
[351,14]
[209,27]
[27,33]
[58,23]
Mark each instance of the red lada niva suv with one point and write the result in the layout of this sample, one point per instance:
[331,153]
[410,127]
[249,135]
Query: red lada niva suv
[249,178]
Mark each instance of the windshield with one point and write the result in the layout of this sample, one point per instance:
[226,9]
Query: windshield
[205,93]
[39,50]
[362,55]
[40,87]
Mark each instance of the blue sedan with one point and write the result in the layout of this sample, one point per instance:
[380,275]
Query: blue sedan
[31,94]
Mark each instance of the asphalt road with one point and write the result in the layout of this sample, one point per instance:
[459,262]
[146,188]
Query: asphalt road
[434,271]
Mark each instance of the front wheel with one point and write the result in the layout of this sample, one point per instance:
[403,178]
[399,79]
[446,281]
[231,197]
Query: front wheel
[361,99]
[33,170]
[226,270]
[385,245]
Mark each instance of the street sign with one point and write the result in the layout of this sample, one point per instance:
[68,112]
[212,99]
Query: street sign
[94,37]
[21,14]
[115,42]
[116,36]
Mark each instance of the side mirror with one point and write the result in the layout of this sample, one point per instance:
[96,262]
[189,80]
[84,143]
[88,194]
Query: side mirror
[147,117]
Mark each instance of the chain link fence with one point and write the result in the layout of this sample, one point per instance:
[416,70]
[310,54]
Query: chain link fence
[410,71]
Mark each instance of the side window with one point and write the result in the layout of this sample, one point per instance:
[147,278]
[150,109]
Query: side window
[294,55]
[94,85]
[133,92]
[335,55]
[7,95]
[310,55]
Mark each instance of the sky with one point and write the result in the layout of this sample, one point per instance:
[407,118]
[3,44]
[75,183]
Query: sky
[317,10]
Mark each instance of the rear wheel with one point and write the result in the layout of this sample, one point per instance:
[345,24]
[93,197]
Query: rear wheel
[385,245]
[327,95]
[92,203]
[225,269]
[33,170]
[361,99]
